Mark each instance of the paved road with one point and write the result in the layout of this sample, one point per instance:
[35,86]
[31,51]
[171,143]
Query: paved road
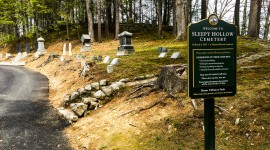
[27,120]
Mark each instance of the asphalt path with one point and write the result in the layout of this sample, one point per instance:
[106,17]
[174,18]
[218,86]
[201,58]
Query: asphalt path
[27,120]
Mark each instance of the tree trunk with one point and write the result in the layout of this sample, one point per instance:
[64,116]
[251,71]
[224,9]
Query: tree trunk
[130,9]
[204,9]
[236,16]
[244,24]
[99,20]
[181,21]
[266,26]
[90,20]
[174,19]
[159,12]
[117,24]
[254,18]
[173,79]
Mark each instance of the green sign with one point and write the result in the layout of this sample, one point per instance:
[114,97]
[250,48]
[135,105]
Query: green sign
[212,58]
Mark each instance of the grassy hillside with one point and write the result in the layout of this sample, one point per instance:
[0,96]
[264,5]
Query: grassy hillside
[174,125]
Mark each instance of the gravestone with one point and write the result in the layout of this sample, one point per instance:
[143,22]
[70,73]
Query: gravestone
[106,59]
[41,47]
[110,69]
[175,55]
[64,49]
[19,48]
[162,55]
[99,59]
[115,61]
[70,49]
[125,47]
[162,49]
[85,39]
[28,49]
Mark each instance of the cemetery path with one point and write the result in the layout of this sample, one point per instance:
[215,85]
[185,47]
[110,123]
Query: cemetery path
[27,120]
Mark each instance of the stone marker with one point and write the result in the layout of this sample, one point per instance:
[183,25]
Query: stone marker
[41,47]
[115,61]
[64,49]
[162,55]
[125,47]
[110,69]
[28,49]
[19,48]
[85,39]
[70,49]
[99,58]
[175,55]
[106,59]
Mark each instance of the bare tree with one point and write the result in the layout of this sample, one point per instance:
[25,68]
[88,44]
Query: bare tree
[99,20]
[159,14]
[117,23]
[244,22]
[203,9]
[181,20]
[254,18]
[90,20]
[236,15]
[266,26]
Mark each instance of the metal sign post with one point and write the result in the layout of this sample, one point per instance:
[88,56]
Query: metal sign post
[211,67]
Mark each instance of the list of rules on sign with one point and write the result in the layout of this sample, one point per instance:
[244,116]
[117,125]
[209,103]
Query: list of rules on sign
[212,58]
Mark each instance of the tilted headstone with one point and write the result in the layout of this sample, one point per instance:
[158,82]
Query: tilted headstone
[115,61]
[106,59]
[175,55]
[70,49]
[162,55]
[41,47]
[64,49]
[28,49]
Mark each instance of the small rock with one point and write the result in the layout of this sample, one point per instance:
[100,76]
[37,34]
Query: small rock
[125,80]
[237,121]
[149,75]
[107,90]
[95,85]
[74,96]
[114,87]
[88,100]
[99,94]
[81,91]
[139,78]
[120,84]
[103,82]
[93,105]
[78,108]
[66,98]
[88,87]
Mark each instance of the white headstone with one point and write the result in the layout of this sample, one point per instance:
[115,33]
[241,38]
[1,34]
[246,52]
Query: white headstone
[110,68]
[65,49]
[162,55]
[70,49]
[115,61]
[37,54]
[41,47]
[175,55]
[62,58]
[106,59]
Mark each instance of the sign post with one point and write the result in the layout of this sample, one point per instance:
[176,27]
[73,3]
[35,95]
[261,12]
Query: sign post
[212,67]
